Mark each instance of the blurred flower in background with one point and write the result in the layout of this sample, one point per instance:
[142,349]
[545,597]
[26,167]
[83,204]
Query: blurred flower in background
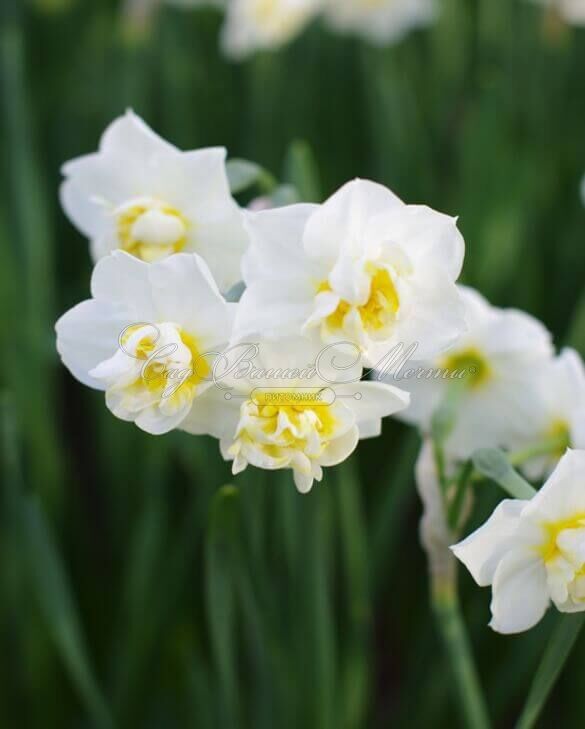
[502,354]
[253,25]
[557,413]
[379,21]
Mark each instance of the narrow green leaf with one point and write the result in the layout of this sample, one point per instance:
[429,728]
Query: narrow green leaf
[389,517]
[454,634]
[220,561]
[558,650]
[49,581]
[31,230]
[302,172]
[356,674]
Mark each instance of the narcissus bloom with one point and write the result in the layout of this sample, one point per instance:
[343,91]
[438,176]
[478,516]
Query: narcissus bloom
[557,412]
[146,336]
[289,407]
[140,194]
[363,267]
[532,552]
[498,360]
[252,25]
[380,21]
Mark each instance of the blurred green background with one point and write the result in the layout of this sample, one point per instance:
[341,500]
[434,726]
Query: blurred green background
[137,589]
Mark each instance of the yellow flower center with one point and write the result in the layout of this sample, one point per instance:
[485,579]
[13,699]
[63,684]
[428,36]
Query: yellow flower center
[298,417]
[472,363]
[151,230]
[276,430]
[379,310]
[559,430]
[161,374]
[549,550]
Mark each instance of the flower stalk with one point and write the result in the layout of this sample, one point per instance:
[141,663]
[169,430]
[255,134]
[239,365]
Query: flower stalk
[447,610]
[436,537]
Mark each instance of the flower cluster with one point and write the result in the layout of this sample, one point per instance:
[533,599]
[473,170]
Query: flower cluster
[258,326]
[328,290]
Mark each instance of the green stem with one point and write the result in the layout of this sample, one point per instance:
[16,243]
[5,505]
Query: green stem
[454,635]
[442,424]
[493,463]
[558,649]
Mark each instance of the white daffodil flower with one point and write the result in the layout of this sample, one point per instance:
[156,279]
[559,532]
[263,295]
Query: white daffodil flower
[141,194]
[146,336]
[499,361]
[288,406]
[380,21]
[557,412]
[362,267]
[252,25]
[571,11]
[532,552]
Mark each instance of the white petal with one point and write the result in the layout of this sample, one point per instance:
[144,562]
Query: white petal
[340,448]
[370,429]
[213,414]
[184,292]
[520,592]
[340,222]
[88,334]
[152,420]
[563,495]
[427,236]
[123,279]
[84,211]
[303,481]
[436,319]
[222,243]
[129,137]
[372,400]
[276,243]
[202,185]
[482,551]
[273,309]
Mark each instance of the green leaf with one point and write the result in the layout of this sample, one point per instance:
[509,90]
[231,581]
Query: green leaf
[558,650]
[242,174]
[302,172]
[220,579]
[48,578]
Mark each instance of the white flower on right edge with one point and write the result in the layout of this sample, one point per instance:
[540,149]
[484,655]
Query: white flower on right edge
[533,552]
[500,358]
[363,267]
[380,21]
[557,412]
[253,25]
